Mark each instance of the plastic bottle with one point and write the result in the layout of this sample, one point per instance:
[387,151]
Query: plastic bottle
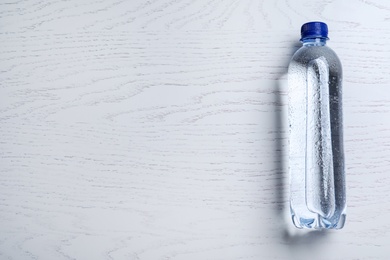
[316,156]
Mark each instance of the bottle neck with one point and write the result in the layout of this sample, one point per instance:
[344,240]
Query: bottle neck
[314,41]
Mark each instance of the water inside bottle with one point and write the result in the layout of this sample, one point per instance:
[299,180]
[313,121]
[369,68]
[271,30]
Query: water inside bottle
[316,160]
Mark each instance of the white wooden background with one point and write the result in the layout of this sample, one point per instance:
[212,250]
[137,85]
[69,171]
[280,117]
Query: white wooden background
[157,129]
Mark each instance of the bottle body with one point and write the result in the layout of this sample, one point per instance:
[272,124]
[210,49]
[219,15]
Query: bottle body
[316,156]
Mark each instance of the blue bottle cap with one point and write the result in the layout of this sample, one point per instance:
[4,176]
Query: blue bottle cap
[314,30]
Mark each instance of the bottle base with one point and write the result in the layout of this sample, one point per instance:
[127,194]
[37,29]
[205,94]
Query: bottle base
[318,222]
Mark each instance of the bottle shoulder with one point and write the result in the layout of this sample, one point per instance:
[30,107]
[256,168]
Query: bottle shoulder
[308,53]
[305,54]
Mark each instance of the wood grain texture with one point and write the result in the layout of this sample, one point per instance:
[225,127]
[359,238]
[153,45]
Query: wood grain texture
[157,129]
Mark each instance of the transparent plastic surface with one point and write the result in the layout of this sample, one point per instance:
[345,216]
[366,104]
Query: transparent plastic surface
[316,157]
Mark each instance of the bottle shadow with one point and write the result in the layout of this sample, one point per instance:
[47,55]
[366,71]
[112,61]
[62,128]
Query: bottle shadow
[288,233]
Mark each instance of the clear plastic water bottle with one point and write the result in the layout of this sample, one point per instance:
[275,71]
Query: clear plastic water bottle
[316,156]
